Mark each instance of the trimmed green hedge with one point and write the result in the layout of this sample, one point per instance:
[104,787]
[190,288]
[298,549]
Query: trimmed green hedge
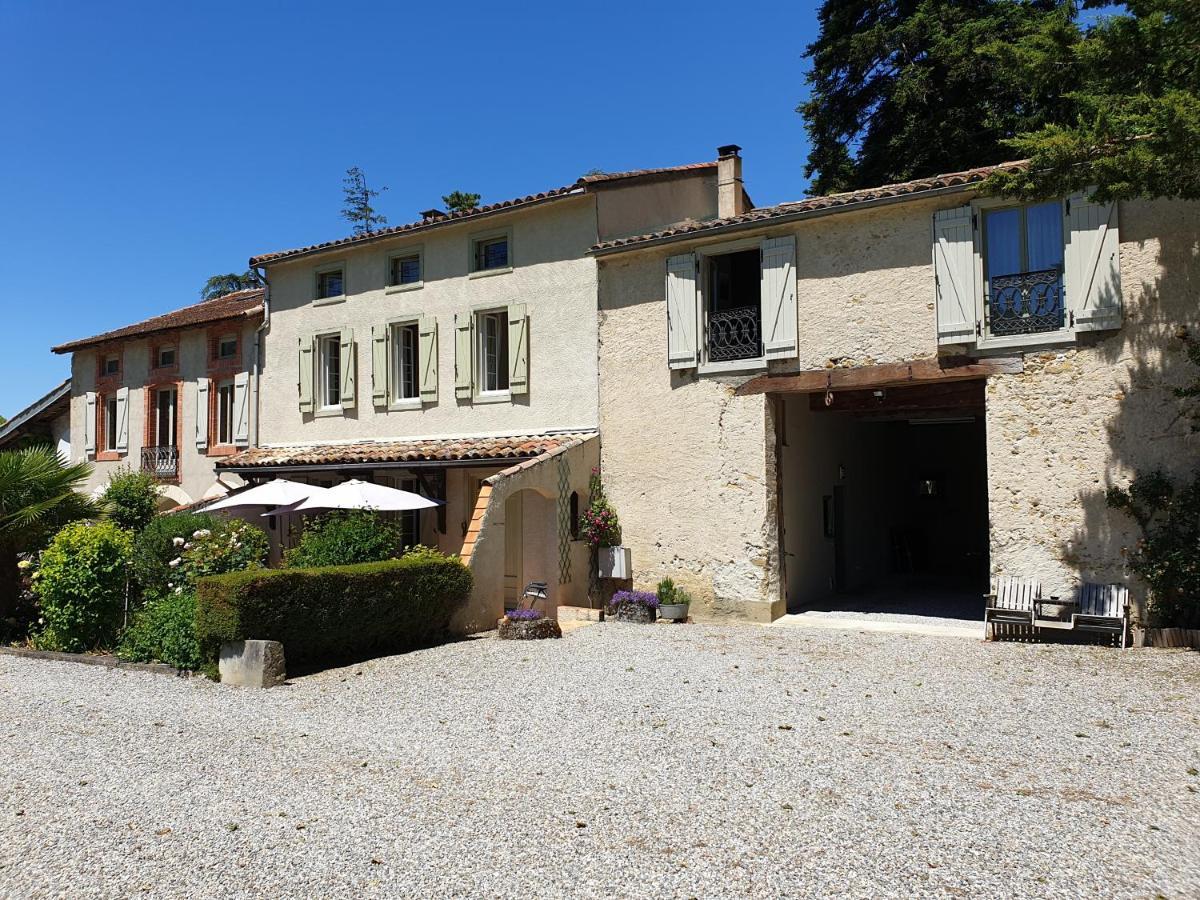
[335,613]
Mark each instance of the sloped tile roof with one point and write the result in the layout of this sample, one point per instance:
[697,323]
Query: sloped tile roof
[484,449]
[239,304]
[832,201]
[580,187]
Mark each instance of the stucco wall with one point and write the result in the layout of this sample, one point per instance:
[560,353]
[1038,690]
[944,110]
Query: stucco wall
[196,468]
[550,275]
[648,205]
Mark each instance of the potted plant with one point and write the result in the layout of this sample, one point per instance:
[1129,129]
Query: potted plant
[634,606]
[601,529]
[527,625]
[673,601]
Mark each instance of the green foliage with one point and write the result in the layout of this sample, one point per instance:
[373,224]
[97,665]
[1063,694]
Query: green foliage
[156,546]
[909,88]
[598,524]
[164,630]
[345,537]
[131,498]
[1132,128]
[231,545]
[358,209]
[81,584]
[670,593]
[460,201]
[337,613]
[228,283]
[1168,555]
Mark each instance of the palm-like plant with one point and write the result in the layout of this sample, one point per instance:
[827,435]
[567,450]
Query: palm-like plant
[38,494]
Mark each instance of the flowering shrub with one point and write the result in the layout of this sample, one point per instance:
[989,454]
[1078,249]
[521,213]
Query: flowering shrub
[229,546]
[634,598]
[158,544]
[81,584]
[598,524]
[525,615]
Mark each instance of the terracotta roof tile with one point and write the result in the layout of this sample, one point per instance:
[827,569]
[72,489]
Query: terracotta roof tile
[237,305]
[831,201]
[415,450]
[581,186]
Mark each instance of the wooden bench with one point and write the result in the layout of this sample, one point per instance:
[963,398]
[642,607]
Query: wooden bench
[1011,602]
[1103,608]
[1091,607]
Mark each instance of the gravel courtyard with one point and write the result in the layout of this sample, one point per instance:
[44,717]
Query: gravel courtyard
[622,760]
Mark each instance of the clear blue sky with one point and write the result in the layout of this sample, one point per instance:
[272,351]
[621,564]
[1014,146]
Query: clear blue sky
[145,146]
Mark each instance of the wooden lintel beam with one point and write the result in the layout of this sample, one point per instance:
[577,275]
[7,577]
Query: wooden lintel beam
[919,371]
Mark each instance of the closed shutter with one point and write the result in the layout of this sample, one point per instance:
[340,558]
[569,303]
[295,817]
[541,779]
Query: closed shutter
[379,363]
[123,419]
[954,275]
[304,380]
[682,318]
[518,349]
[89,422]
[427,358]
[778,297]
[349,369]
[463,357]
[241,409]
[202,413]
[1092,264]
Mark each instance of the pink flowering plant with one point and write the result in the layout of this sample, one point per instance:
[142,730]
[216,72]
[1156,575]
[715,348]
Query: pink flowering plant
[598,524]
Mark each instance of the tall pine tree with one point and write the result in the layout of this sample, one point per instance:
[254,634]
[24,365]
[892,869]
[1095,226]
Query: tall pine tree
[901,89]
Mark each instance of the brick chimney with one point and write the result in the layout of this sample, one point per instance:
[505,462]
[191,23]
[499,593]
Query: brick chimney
[731,199]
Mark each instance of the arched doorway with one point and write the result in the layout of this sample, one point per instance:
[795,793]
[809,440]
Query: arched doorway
[530,545]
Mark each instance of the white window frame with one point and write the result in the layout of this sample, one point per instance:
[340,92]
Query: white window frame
[222,341]
[110,358]
[985,340]
[703,256]
[321,404]
[173,421]
[408,252]
[112,427]
[222,388]
[483,394]
[484,237]
[158,358]
[395,401]
[318,273]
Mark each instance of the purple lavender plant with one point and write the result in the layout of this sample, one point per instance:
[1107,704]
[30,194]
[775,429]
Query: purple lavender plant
[525,615]
[634,598]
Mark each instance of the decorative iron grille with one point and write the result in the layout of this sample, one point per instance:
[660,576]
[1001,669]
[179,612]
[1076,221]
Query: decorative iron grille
[1026,303]
[161,462]
[734,334]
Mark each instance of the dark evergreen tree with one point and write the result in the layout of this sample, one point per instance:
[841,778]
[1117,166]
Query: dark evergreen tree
[219,285]
[358,209]
[460,201]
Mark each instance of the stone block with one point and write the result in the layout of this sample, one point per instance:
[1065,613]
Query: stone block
[257,664]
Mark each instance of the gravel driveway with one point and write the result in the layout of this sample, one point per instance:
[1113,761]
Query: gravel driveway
[623,760]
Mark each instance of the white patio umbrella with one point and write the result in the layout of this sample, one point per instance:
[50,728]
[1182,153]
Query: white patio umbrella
[279,492]
[355,494]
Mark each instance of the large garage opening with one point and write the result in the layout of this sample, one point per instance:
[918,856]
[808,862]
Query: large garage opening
[883,495]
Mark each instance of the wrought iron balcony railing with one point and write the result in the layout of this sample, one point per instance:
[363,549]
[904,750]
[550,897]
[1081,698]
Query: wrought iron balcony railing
[1026,303]
[735,334]
[161,462]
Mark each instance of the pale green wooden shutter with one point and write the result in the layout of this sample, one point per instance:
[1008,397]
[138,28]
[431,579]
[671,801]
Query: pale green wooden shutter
[463,355]
[202,413]
[349,369]
[123,419]
[954,275]
[380,339]
[1092,264]
[241,409]
[682,312]
[304,380]
[777,290]
[518,349]
[89,422]
[427,358]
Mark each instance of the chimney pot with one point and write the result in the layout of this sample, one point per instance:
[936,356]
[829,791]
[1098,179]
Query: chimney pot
[728,150]
[429,215]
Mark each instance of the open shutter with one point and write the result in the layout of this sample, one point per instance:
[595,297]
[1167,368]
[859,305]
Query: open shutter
[123,419]
[518,349]
[1092,264]
[682,318]
[89,422]
[202,413]
[241,409]
[427,357]
[380,335]
[463,356]
[954,275]
[349,369]
[777,287]
[304,380]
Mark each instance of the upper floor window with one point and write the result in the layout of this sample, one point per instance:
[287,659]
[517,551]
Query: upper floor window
[166,411]
[111,423]
[225,396]
[732,306]
[406,373]
[165,358]
[405,270]
[492,328]
[227,347]
[491,253]
[110,365]
[329,363]
[1023,269]
[330,283]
